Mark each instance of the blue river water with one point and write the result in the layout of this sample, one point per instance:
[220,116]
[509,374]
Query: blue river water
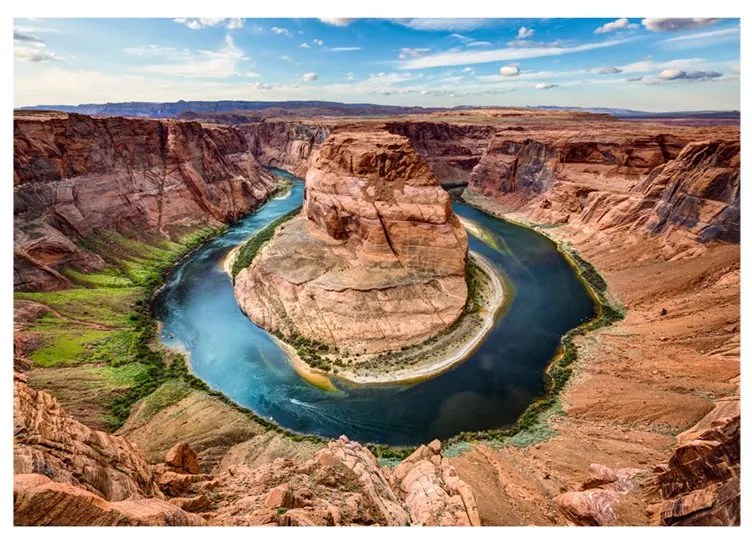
[489,390]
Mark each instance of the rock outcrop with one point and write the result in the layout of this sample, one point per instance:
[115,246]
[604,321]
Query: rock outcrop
[697,193]
[39,501]
[343,484]
[48,441]
[608,175]
[700,484]
[452,151]
[74,175]
[375,262]
[283,144]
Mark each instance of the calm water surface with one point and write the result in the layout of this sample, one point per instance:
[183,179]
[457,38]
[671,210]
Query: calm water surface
[489,390]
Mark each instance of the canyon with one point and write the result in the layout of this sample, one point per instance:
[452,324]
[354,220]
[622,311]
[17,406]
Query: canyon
[645,432]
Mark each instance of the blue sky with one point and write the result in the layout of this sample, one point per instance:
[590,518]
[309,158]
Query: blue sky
[648,64]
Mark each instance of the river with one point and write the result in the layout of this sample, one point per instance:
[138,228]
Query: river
[489,390]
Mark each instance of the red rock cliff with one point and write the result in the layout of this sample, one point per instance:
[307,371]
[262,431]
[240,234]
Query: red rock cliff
[76,174]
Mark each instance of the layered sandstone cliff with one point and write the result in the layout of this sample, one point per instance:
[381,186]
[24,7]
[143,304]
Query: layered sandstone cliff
[621,175]
[375,262]
[74,175]
[283,144]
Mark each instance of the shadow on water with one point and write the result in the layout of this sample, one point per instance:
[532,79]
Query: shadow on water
[490,390]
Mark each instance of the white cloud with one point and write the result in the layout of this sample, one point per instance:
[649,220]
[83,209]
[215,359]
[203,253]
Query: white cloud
[27,38]
[646,66]
[509,70]
[525,32]
[407,53]
[673,25]
[318,42]
[200,23]
[678,74]
[281,31]
[234,24]
[350,77]
[452,58]
[34,54]
[447,25]
[344,49]
[310,77]
[701,39]
[259,86]
[305,45]
[337,21]
[615,26]
[469,41]
[251,74]
[608,70]
[220,63]
[543,85]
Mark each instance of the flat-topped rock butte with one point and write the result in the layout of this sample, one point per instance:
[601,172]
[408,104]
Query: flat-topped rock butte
[376,260]
[654,207]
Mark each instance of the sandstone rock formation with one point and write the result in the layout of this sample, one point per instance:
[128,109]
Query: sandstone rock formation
[75,174]
[697,192]
[700,484]
[452,151]
[284,144]
[39,501]
[595,503]
[343,484]
[614,174]
[48,441]
[375,262]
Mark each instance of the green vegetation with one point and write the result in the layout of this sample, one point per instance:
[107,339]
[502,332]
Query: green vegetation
[248,251]
[105,319]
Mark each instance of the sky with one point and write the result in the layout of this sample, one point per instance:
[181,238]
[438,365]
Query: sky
[654,64]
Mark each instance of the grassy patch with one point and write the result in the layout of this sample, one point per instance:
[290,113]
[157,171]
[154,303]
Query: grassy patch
[167,394]
[110,307]
[251,247]
[62,344]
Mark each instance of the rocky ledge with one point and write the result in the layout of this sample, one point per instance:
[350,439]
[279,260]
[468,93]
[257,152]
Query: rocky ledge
[375,262]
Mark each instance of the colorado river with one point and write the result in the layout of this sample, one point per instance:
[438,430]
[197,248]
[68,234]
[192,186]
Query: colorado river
[489,390]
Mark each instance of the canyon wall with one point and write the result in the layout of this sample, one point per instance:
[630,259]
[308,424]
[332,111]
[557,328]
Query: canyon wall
[283,144]
[74,175]
[452,151]
[626,177]
[375,262]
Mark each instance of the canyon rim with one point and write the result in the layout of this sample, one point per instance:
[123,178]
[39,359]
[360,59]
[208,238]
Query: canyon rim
[489,289]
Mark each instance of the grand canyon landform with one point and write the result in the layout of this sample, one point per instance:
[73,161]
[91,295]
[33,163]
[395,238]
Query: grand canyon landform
[644,428]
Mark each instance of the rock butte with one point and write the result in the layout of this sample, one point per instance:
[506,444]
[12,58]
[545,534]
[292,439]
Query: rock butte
[375,262]
[653,206]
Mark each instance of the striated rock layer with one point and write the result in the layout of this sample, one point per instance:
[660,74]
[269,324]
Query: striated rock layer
[74,175]
[376,260]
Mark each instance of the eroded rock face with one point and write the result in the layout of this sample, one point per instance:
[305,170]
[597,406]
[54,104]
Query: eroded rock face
[343,484]
[452,151]
[39,501]
[625,176]
[75,174]
[700,483]
[283,144]
[50,442]
[376,260]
